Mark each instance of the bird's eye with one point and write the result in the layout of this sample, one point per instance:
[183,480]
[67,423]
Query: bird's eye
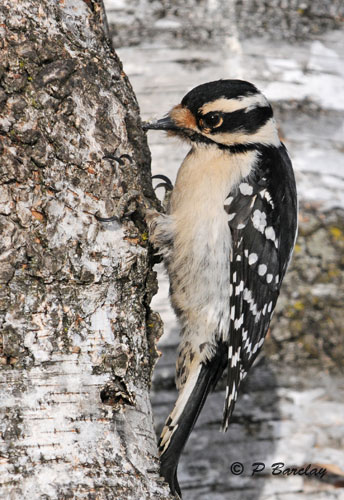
[211,120]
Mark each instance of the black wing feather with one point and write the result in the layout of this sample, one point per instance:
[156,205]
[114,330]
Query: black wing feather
[263,221]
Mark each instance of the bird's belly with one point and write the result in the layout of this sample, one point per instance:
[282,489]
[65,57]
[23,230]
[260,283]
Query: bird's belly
[199,272]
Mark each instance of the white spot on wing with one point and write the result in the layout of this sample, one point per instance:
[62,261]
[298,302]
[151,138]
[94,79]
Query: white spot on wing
[252,258]
[270,233]
[247,295]
[238,322]
[245,189]
[262,269]
[258,345]
[259,220]
[239,288]
[257,318]
[230,352]
[235,358]
[269,199]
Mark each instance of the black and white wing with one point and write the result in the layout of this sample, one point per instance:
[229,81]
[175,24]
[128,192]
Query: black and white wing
[263,222]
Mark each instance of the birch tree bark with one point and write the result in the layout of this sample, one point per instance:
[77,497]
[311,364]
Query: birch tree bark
[77,334]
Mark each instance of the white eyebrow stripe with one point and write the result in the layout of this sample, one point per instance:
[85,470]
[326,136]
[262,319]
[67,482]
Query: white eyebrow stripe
[230,105]
[267,134]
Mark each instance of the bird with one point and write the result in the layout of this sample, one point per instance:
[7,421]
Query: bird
[226,240]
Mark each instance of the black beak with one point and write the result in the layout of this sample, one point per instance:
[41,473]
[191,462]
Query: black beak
[164,124]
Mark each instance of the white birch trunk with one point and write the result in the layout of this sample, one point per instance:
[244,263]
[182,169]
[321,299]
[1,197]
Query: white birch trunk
[77,334]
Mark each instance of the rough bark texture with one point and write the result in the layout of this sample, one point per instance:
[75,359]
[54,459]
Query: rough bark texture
[77,334]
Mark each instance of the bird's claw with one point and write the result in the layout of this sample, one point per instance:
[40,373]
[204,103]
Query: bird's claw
[167,184]
[118,159]
[124,209]
[106,219]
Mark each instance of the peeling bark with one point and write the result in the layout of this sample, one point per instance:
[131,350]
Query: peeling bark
[77,334]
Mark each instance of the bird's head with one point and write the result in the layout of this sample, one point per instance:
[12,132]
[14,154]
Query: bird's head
[222,113]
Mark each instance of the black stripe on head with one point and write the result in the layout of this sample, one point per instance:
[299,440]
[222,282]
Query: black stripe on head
[248,122]
[235,148]
[211,91]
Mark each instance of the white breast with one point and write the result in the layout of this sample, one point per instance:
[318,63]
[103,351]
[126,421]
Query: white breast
[199,268]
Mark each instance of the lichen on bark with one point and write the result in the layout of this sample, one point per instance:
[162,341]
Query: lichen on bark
[76,342]
[308,324]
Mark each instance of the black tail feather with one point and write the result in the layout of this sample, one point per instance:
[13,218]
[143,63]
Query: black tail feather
[206,381]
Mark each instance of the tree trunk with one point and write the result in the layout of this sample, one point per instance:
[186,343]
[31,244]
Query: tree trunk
[77,343]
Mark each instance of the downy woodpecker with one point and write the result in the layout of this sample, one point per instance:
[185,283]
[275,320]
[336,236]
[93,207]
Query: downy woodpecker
[226,239]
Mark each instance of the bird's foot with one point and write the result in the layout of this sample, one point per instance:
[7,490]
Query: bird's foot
[168,186]
[118,159]
[127,205]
